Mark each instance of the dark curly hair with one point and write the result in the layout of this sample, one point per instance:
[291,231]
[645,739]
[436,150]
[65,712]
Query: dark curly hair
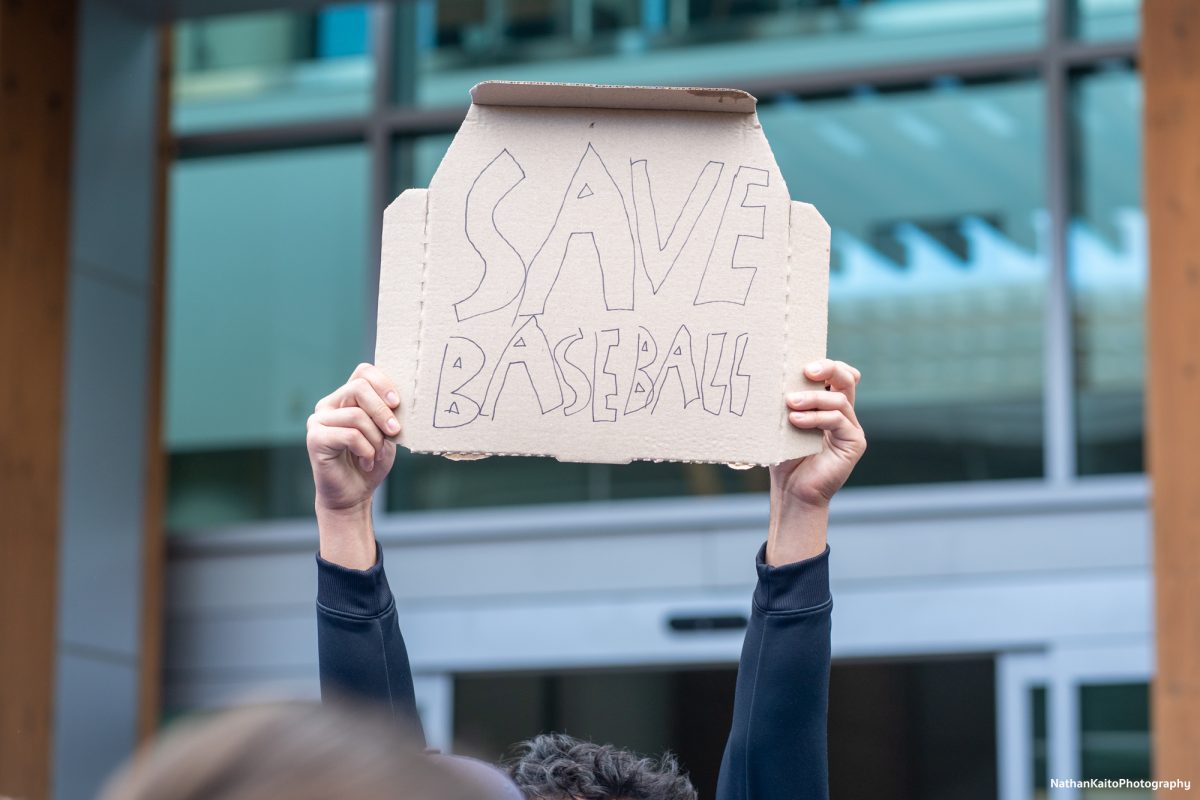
[555,766]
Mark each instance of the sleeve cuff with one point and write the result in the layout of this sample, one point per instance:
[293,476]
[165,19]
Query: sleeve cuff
[357,592]
[801,586]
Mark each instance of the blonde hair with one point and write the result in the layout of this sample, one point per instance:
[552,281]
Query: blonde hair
[292,751]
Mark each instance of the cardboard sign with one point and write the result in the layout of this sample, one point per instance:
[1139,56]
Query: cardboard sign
[604,273]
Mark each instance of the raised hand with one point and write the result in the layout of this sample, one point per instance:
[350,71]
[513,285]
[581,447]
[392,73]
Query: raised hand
[802,488]
[351,446]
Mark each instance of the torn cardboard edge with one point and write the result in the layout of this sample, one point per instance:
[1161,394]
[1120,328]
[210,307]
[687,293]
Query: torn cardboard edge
[480,456]
[417,239]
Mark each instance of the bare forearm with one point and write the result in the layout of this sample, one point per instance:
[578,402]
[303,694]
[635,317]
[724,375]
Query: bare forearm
[797,530]
[347,536]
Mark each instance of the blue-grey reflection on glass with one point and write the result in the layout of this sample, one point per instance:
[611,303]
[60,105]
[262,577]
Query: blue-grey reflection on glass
[938,277]
[1114,736]
[266,299]
[1107,256]
[1107,20]
[271,68]
[690,43]
[427,154]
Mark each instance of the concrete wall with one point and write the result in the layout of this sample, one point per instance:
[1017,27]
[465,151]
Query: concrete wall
[100,561]
[946,570]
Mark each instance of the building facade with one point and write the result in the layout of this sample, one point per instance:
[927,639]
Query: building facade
[979,162]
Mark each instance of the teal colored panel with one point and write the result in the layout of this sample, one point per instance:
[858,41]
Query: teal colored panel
[1107,20]
[270,67]
[1114,721]
[267,293]
[681,43]
[1108,261]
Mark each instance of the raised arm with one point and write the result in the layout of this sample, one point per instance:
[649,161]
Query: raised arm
[351,447]
[777,744]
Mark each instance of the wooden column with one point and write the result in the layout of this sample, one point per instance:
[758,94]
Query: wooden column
[1170,62]
[37,70]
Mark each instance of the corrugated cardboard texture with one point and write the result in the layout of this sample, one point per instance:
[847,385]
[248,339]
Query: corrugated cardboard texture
[604,284]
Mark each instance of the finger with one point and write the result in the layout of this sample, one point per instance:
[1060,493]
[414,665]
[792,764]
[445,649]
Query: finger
[350,417]
[837,423]
[822,401]
[819,370]
[359,392]
[333,441]
[836,375]
[826,368]
[381,382]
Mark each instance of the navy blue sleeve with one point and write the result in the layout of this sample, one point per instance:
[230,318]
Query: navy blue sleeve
[777,748]
[361,652]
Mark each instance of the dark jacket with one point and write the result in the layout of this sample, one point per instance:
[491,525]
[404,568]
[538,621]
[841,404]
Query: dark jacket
[777,743]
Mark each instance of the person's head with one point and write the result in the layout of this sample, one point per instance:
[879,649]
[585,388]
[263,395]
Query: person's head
[555,766]
[290,750]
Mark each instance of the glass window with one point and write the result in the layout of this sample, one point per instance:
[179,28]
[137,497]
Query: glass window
[1115,737]
[937,293]
[1100,20]
[692,42]
[1107,258]
[271,68]
[938,268]
[647,711]
[925,727]
[935,197]
[415,159]
[266,302]
[420,481]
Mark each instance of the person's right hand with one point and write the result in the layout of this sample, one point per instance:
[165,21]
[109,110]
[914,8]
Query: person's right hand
[351,446]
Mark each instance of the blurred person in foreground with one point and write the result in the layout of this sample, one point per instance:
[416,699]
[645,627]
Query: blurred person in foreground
[777,743]
[291,751]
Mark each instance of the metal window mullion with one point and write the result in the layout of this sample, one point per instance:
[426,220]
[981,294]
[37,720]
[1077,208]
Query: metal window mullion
[1058,366]
[269,138]
[1063,757]
[403,118]
[378,141]
[382,23]
[1017,674]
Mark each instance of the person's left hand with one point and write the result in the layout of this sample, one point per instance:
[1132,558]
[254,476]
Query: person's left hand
[811,481]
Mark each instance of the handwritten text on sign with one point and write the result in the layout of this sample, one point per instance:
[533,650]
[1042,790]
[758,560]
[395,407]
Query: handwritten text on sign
[595,372]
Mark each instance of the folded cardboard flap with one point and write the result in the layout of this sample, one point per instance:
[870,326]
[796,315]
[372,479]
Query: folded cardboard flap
[592,284]
[594,95]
